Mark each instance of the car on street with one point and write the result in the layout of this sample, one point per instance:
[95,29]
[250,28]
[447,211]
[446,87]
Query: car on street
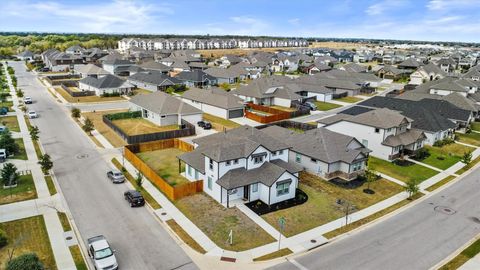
[32,114]
[310,105]
[116,176]
[204,124]
[134,198]
[28,100]
[102,255]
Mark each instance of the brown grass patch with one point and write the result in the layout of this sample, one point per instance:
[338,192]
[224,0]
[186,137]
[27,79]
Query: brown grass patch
[137,126]
[185,236]
[103,129]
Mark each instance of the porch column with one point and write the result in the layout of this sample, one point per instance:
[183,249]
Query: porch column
[228,198]
[179,166]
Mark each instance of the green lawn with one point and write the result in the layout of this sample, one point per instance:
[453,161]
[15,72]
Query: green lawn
[10,122]
[28,235]
[51,186]
[440,183]
[463,257]
[349,99]
[219,123]
[472,138]
[468,166]
[22,154]
[475,126]
[403,173]
[165,163]
[446,156]
[25,190]
[322,206]
[216,221]
[326,106]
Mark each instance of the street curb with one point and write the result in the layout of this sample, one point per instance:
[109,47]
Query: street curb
[455,254]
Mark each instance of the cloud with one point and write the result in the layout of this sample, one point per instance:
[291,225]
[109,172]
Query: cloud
[446,5]
[383,6]
[295,21]
[246,25]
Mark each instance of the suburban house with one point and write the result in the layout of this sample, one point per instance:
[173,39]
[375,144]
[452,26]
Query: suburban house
[75,49]
[447,64]
[155,66]
[410,64]
[242,165]
[323,152]
[228,60]
[117,66]
[26,56]
[222,75]
[449,85]
[163,109]
[215,101]
[196,78]
[153,81]
[429,72]
[387,133]
[108,84]
[391,72]
[353,67]
[334,85]
[89,70]
[56,60]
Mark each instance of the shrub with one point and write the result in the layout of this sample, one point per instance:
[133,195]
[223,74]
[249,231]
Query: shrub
[124,115]
[3,238]
[75,112]
[115,94]
[28,261]
[421,154]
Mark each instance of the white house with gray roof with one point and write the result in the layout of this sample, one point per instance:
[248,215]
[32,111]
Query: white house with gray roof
[108,84]
[163,110]
[215,101]
[242,165]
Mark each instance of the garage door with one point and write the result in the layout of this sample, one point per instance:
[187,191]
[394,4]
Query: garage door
[235,113]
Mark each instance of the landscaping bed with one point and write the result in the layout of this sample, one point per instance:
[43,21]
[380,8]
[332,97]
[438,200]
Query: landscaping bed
[327,202]
[471,138]
[28,235]
[219,123]
[261,208]
[10,122]
[165,163]
[403,173]
[216,221]
[103,129]
[25,190]
[326,106]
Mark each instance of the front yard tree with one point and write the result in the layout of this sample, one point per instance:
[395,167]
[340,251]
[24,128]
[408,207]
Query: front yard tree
[46,163]
[34,131]
[412,188]
[88,126]
[467,158]
[9,174]
[139,179]
[370,177]
[24,109]
[8,143]
[75,113]
[25,261]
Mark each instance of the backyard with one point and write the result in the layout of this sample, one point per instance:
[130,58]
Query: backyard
[28,235]
[322,206]
[446,156]
[219,123]
[475,126]
[71,99]
[138,126]
[103,129]
[349,99]
[216,222]
[282,108]
[326,106]
[472,138]
[165,163]
[403,173]
[25,190]
[10,122]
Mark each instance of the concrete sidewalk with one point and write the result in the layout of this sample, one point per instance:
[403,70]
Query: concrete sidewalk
[472,264]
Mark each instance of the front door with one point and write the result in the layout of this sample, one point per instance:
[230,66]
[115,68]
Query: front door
[245,193]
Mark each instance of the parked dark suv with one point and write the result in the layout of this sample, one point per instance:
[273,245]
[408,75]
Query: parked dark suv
[204,124]
[134,198]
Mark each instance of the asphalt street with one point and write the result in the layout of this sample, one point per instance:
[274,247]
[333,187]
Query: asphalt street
[96,204]
[418,238]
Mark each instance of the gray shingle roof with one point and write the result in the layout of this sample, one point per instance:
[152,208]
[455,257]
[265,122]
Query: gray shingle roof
[152,65]
[194,76]
[107,81]
[405,138]
[215,97]
[274,86]
[155,78]
[379,118]
[163,104]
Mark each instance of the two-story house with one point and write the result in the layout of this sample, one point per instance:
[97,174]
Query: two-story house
[387,133]
[242,164]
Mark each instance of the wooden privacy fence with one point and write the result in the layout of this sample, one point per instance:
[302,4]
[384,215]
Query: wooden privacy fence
[172,192]
[290,124]
[77,93]
[276,115]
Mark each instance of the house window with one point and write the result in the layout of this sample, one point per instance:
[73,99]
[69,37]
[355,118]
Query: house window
[196,174]
[189,170]
[163,116]
[210,165]
[257,160]
[377,130]
[390,129]
[274,153]
[254,187]
[209,183]
[235,161]
[283,187]
[313,160]
[298,158]
[357,166]
[365,143]
[280,152]
[228,163]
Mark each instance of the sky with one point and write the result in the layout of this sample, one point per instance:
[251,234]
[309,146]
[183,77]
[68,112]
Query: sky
[432,20]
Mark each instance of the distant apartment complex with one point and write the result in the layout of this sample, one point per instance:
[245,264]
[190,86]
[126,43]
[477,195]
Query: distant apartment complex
[206,44]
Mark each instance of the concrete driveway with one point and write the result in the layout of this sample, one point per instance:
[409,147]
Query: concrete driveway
[96,204]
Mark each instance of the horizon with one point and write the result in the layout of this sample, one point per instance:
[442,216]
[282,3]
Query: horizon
[366,19]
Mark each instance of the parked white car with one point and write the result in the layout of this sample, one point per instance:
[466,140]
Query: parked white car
[100,252]
[28,100]
[32,114]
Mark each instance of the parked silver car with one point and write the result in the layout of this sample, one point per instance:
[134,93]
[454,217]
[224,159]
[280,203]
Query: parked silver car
[116,176]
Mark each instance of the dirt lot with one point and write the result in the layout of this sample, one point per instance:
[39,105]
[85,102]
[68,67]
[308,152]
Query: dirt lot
[107,132]
[137,126]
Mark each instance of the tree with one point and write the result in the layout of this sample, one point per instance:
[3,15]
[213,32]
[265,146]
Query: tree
[3,238]
[75,112]
[412,188]
[8,143]
[24,109]
[46,163]
[467,157]
[139,179]
[34,131]
[369,68]
[370,177]
[19,93]
[9,174]
[88,126]
[28,261]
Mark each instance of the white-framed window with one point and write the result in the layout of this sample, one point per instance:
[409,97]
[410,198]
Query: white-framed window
[280,152]
[210,164]
[274,153]
[257,160]
[298,158]
[283,188]
[255,187]
[377,130]
[313,160]
[228,162]
[209,183]
[163,116]
[235,161]
[357,166]
[365,142]
[196,174]
[189,170]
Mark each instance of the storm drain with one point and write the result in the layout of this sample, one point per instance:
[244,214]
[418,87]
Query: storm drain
[475,219]
[81,156]
[445,210]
